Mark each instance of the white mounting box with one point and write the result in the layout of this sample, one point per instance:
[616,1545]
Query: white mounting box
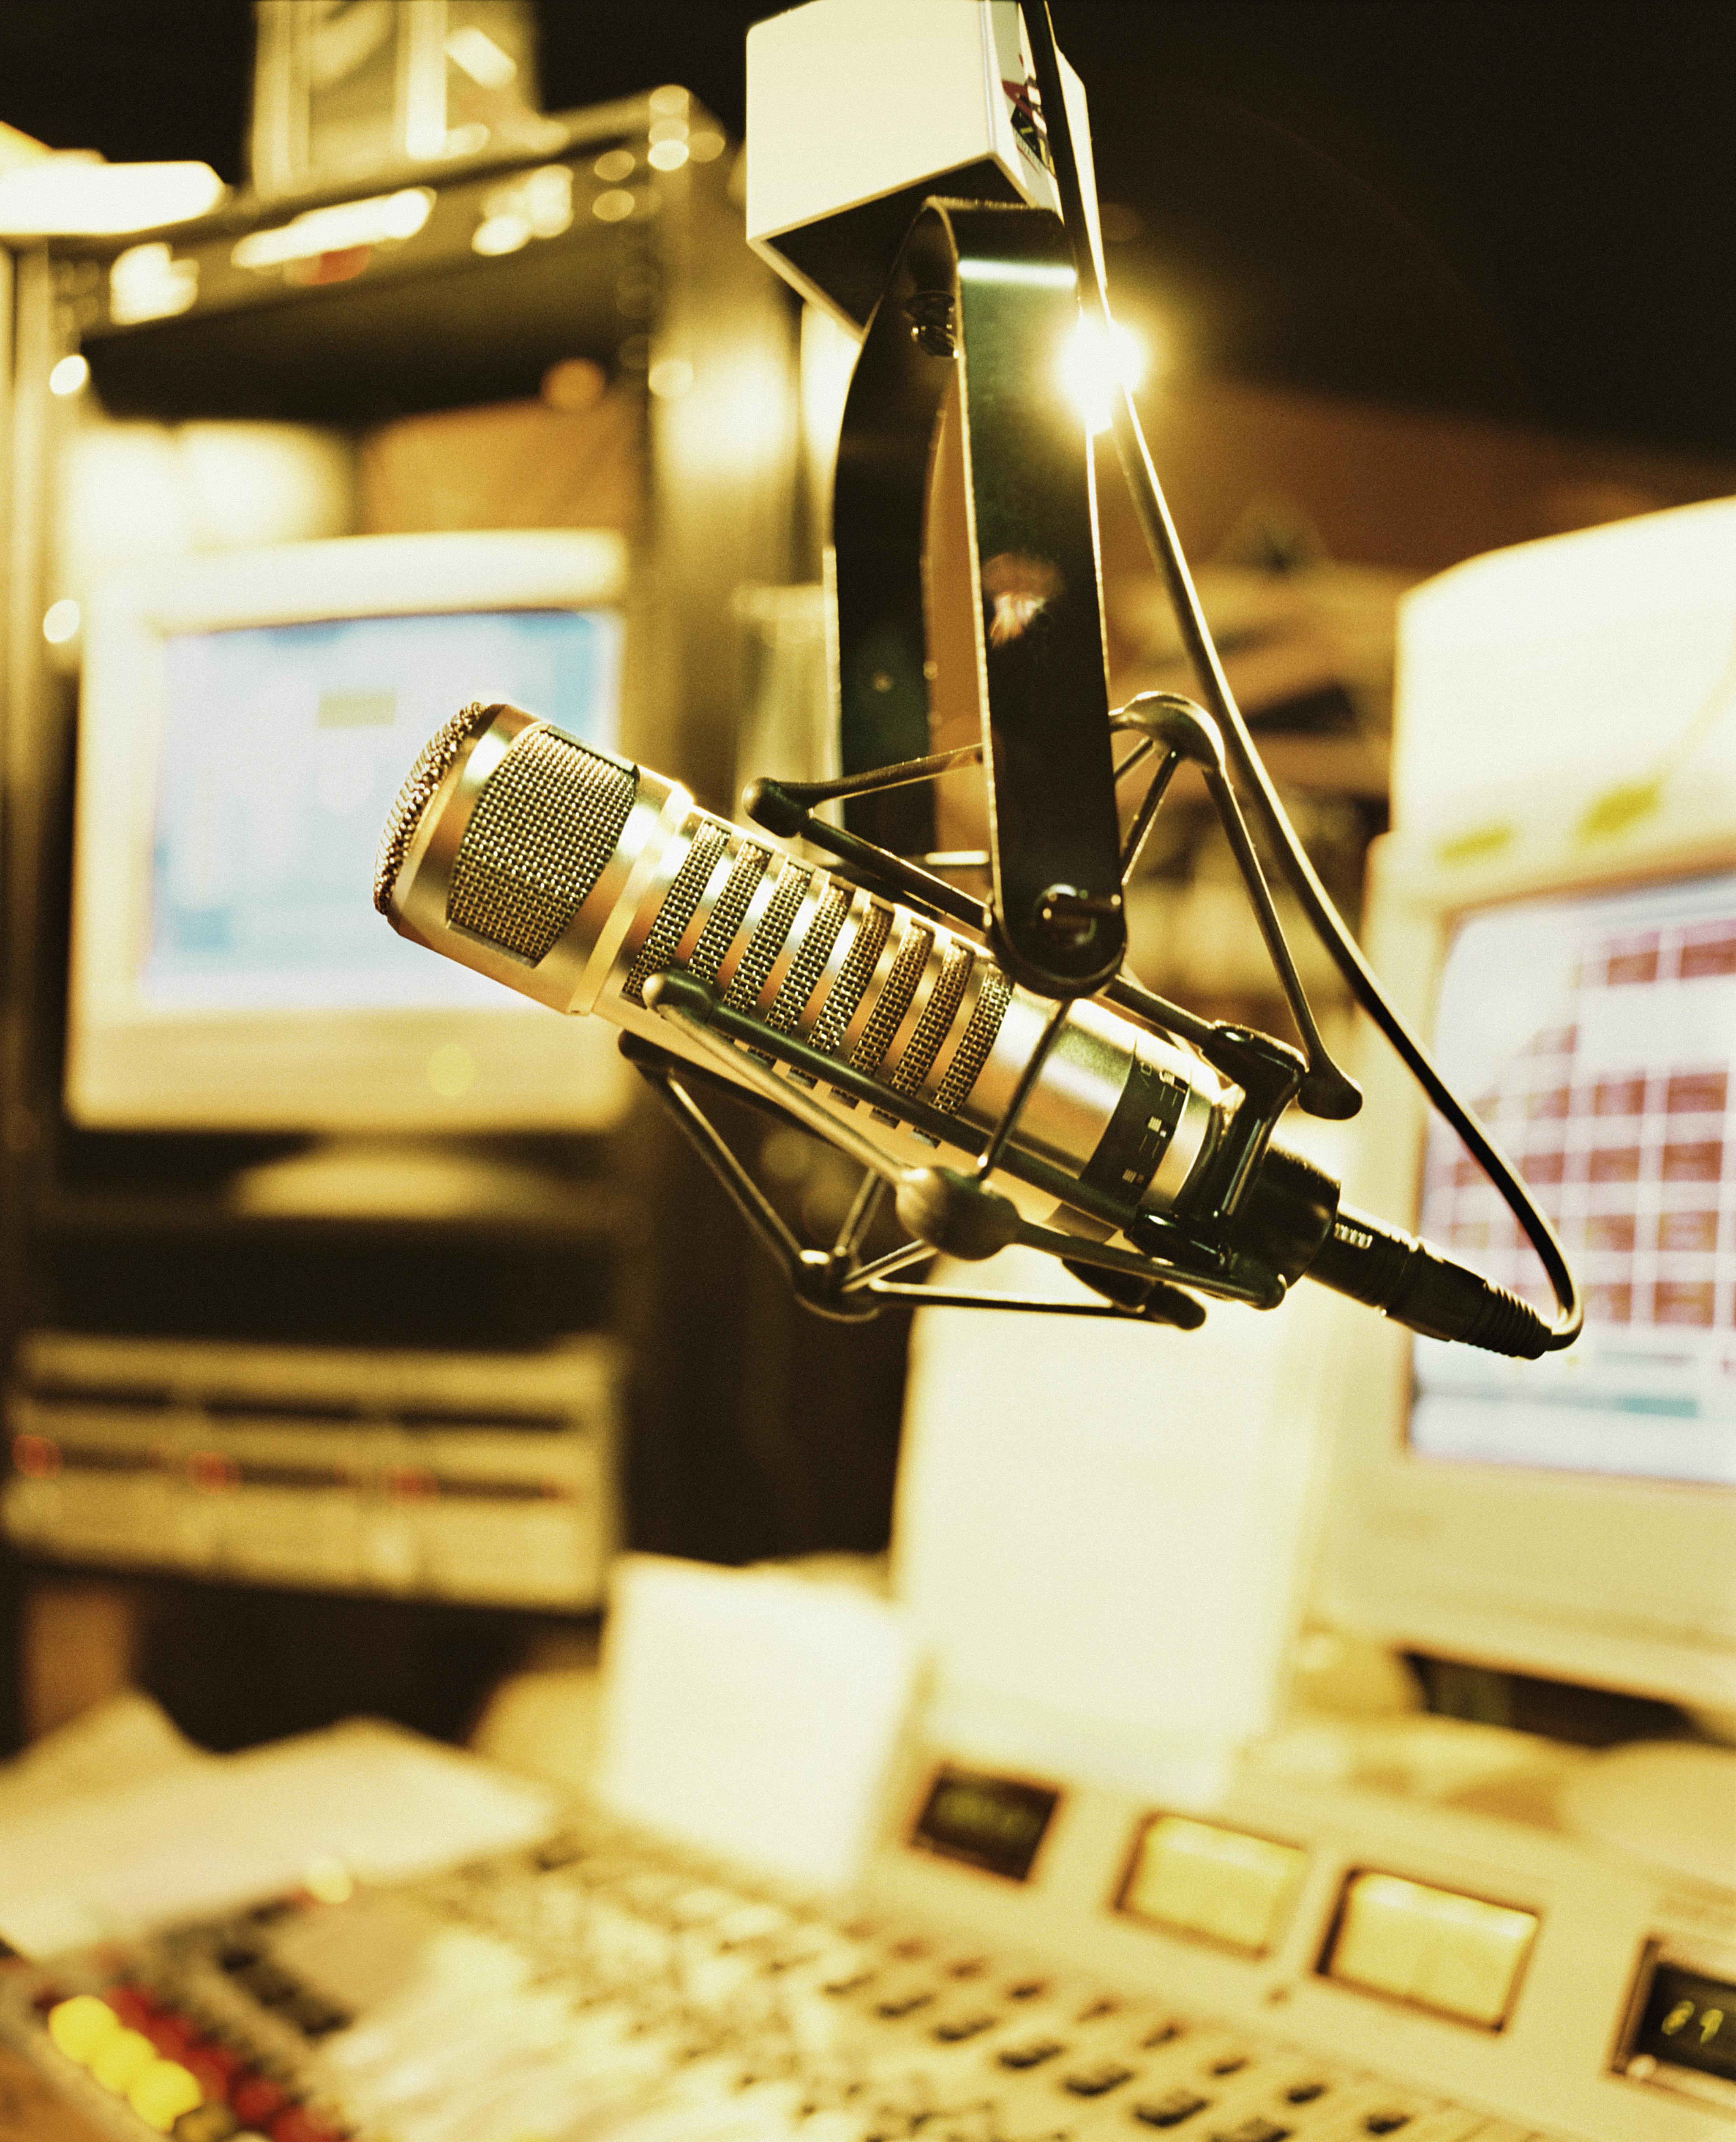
[859,109]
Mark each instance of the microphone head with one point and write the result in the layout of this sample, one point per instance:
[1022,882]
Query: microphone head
[438,755]
[509,847]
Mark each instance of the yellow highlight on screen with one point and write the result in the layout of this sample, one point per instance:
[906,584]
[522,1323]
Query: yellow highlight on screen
[1455,1955]
[1222,1883]
[79,2026]
[452,1070]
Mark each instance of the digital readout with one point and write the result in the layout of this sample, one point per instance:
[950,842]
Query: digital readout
[996,1823]
[1689,2022]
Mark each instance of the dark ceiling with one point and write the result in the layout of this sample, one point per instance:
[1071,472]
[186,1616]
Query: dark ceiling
[1523,209]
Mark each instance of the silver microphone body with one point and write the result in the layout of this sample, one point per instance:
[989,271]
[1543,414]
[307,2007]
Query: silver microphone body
[574,876]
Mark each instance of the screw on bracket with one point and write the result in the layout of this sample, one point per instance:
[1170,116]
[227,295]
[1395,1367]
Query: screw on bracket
[930,315]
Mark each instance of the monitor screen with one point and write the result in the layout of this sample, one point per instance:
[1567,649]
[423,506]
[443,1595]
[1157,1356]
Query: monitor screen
[1570,1516]
[1594,1035]
[281,750]
[1554,911]
[246,720]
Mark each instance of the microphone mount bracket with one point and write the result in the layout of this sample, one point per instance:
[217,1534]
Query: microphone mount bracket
[984,298]
[945,1211]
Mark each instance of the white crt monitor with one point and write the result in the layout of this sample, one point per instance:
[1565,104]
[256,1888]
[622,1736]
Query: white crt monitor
[1567,942]
[246,722]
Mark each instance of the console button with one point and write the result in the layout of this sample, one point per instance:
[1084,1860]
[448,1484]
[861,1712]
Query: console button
[957,2028]
[1094,2081]
[1032,2053]
[1171,2109]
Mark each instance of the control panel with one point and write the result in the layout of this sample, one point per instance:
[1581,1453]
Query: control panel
[490,1478]
[1480,1958]
[1029,1961]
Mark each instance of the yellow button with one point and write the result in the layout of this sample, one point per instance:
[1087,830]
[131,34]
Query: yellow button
[120,2061]
[78,2026]
[163,2093]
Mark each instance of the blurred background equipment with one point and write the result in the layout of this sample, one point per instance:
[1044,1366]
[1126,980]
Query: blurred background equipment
[1287,1751]
[505,336]
[345,88]
[508,400]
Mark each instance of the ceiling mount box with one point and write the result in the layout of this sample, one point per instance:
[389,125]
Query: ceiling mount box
[858,111]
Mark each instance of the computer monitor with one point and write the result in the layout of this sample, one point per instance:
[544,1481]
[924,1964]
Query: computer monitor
[246,722]
[1573,1518]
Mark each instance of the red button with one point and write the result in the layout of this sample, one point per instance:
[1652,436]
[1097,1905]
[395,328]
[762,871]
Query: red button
[298,2124]
[169,2033]
[256,2097]
[213,2067]
[132,2005]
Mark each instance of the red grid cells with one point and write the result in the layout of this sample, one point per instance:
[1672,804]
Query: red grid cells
[1618,1097]
[1708,948]
[1686,1231]
[1683,1301]
[1624,1151]
[1700,1159]
[1696,1094]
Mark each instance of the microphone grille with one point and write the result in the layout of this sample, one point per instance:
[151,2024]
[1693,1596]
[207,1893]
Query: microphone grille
[426,776]
[548,820]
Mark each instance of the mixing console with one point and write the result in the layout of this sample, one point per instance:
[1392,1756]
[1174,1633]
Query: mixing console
[608,1985]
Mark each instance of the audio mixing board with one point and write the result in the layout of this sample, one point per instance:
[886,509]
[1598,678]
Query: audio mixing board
[609,1985]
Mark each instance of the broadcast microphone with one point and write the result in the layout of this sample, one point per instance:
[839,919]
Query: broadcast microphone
[596,885]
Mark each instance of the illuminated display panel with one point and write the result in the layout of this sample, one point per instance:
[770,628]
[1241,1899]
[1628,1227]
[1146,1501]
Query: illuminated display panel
[1220,1884]
[246,719]
[1684,2032]
[1596,1036]
[1431,1948]
[982,1820]
[283,748]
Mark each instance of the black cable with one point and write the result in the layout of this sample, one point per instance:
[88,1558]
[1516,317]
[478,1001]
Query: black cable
[1159,532]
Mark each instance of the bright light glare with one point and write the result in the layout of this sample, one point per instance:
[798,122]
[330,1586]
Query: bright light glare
[76,195]
[1088,374]
[381,218]
[69,375]
[60,622]
[481,57]
[501,233]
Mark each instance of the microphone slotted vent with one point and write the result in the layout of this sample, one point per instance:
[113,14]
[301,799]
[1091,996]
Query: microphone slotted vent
[974,1050]
[680,905]
[893,1000]
[936,1022]
[548,820]
[767,941]
[426,776]
[816,946]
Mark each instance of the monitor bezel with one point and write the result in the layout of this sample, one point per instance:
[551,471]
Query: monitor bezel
[1611,1580]
[131,1065]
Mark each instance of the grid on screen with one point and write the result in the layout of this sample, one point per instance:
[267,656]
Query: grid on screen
[1634,1166]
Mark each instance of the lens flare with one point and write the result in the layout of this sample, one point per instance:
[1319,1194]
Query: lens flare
[1091,365]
